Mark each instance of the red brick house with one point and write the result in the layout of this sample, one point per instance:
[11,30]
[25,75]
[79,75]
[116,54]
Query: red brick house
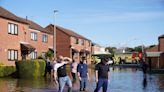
[21,38]
[95,48]
[71,44]
[161,43]
[155,55]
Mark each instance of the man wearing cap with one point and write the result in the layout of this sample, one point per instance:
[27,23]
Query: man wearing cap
[102,74]
[82,71]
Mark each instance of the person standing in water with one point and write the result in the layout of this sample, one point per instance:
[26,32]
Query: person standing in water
[82,71]
[102,75]
[74,70]
[61,74]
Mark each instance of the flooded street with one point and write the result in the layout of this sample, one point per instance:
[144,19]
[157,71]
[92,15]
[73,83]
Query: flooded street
[121,80]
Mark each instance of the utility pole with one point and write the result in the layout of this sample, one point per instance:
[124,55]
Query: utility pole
[55,11]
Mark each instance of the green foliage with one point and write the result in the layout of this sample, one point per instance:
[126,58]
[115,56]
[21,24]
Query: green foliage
[42,66]
[138,49]
[49,54]
[103,55]
[40,57]
[1,64]
[152,46]
[31,69]
[95,59]
[129,49]
[111,49]
[6,70]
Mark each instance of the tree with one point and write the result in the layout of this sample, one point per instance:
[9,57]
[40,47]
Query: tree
[138,49]
[49,54]
[129,49]
[152,46]
[111,49]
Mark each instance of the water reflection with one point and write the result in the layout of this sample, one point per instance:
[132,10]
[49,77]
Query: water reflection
[121,80]
[144,82]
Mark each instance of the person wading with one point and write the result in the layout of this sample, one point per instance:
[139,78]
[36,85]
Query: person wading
[60,73]
[74,70]
[82,71]
[102,75]
[47,67]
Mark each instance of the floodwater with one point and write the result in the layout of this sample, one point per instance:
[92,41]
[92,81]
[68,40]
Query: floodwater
[121,80]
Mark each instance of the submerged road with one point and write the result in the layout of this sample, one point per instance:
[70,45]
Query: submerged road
[121,80]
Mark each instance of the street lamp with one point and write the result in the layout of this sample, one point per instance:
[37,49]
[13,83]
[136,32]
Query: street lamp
[55,11]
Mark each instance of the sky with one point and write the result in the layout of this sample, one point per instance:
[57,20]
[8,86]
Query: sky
[119,23]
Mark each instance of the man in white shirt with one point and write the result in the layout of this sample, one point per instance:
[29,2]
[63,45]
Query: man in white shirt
[60,73]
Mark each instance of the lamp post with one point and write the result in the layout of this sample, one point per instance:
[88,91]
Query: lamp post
[55,11]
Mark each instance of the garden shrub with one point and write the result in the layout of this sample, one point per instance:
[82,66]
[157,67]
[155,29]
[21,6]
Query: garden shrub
[6,70]
[30,68]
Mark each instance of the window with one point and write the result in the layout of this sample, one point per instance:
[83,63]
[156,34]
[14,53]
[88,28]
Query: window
[44,38]
[34,36]
[76,41]
[12,29]
[12,55]
[82,42]
[33,55]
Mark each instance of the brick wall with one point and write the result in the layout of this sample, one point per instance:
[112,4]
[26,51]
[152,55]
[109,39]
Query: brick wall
[152,49]
[154,61]
[162,61]
[79,47]
[8,41]
[39,45]
[95,49]
[161,44]
[63,44]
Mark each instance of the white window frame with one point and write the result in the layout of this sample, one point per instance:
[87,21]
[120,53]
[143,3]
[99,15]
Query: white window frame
[34,36]
[33,55]
[44,38]
[12,54]
[12,29]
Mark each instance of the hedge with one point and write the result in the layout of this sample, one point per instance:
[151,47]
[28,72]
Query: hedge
[31,68]
[6,70]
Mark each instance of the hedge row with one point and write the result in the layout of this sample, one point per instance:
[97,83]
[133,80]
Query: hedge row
[30,69]
[6,70]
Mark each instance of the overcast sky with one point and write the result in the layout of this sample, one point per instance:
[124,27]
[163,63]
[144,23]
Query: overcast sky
[107,22]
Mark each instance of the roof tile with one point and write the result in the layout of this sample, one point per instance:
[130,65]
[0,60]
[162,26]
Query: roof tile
[69,32]
[8,15]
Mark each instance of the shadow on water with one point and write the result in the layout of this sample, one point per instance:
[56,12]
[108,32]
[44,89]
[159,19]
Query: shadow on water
[144,82]
[121,80]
